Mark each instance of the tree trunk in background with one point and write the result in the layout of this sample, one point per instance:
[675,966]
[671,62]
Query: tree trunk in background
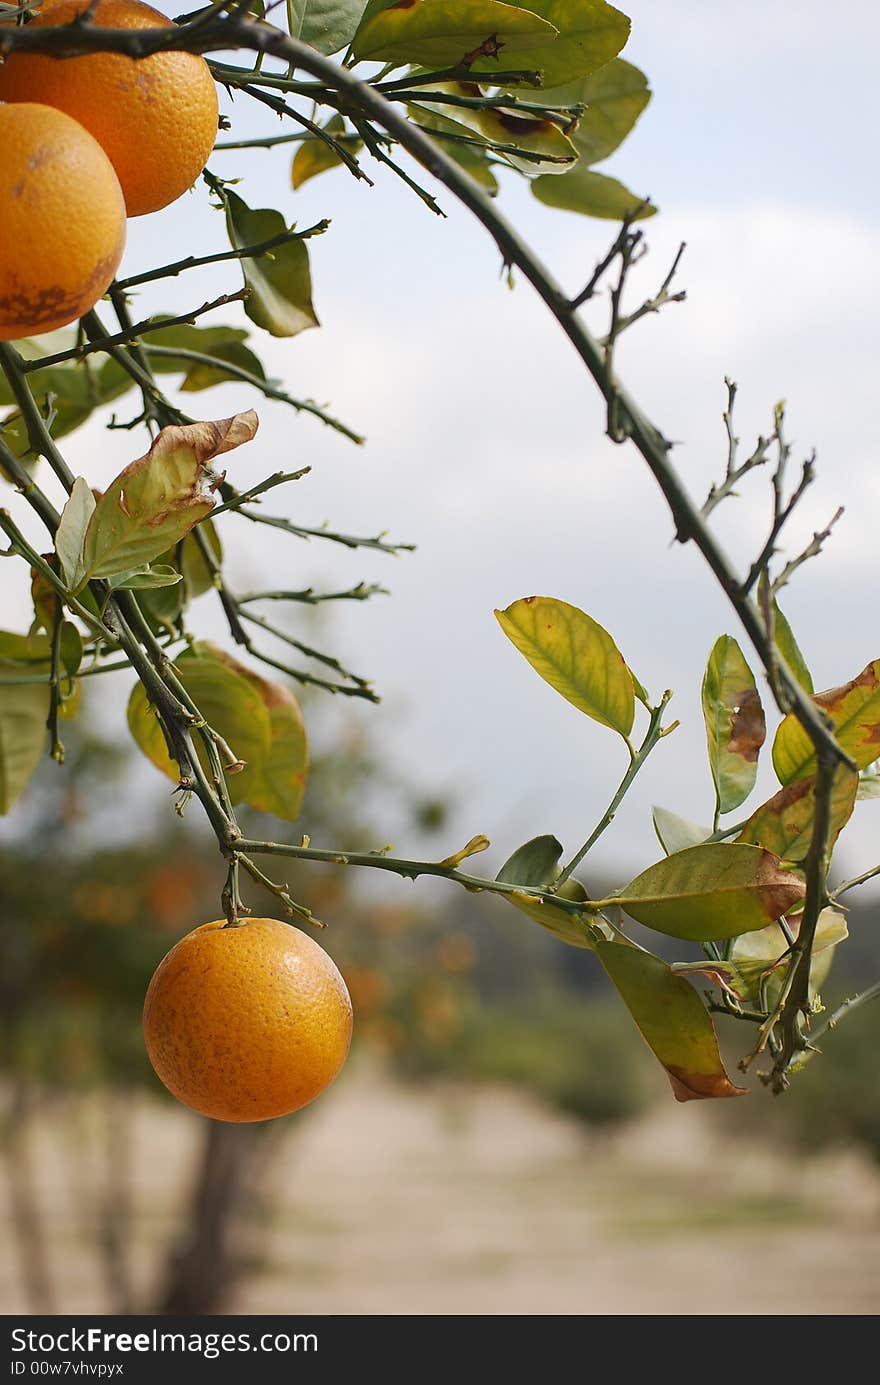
[27,1221]
[204,1267]
[115,1202]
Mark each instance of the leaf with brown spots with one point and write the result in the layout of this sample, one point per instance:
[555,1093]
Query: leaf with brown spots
[440,32]
[591,33]
[156,500]
[735,725]
[854,711]
[546,149]
[714,891]
[784,824]
[672,1020]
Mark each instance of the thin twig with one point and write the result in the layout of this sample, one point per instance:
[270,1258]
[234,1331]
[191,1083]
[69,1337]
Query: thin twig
[846,1008]
[301,532]
[247,252]
[855,882]
[654,733]
[361,592]
[127,335]
[280,478]
[812,550]
[265,387]
[659,300]
[326,659]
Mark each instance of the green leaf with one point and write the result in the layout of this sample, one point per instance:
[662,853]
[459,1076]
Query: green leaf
[80,387]
[672,1019]
[854,711]
[23,714]
[147,577]
[533,864]
[640,690]
[30,348]
[163,606]
[575,655]
[766,954]
[187,559]
[34,649]
[591,194]
[71,647]
[675,833]
[615,97]
[157,499]
[788,647]
[71,532]
[714,891]
[278,784]
[784,824]
[735,725]
[32,654]
[197,576]
[440,33]
[578,930]
[327,25]
[280,281]
[228,700]
[225,345]
[591,33]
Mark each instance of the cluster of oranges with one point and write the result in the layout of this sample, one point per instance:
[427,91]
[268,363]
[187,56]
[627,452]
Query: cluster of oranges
[87,142]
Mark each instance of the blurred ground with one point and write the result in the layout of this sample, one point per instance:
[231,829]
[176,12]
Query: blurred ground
[448,1199]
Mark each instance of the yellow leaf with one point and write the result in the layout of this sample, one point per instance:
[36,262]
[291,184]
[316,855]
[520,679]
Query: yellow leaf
[575,655]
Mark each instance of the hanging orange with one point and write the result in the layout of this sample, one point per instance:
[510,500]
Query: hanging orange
[247,1023]
[62,220]
[156,118]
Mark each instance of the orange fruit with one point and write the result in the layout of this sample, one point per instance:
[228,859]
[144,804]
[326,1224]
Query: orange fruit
[156,119]
[247,1023]
[62,220]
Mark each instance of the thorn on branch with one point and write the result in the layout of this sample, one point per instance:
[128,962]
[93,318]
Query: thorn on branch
[489,48]
[281,892]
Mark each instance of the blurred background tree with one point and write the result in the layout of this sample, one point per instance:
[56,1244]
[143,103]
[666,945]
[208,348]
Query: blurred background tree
[462,992]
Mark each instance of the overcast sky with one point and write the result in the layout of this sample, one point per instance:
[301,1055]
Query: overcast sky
[485,438]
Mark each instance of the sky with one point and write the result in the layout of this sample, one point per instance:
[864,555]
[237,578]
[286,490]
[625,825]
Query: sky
[485,443]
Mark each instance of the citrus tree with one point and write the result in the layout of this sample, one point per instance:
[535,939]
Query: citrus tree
[112,112]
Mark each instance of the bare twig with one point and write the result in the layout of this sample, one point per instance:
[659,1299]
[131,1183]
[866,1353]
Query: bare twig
[735,473]
[127,335]
[812,550]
